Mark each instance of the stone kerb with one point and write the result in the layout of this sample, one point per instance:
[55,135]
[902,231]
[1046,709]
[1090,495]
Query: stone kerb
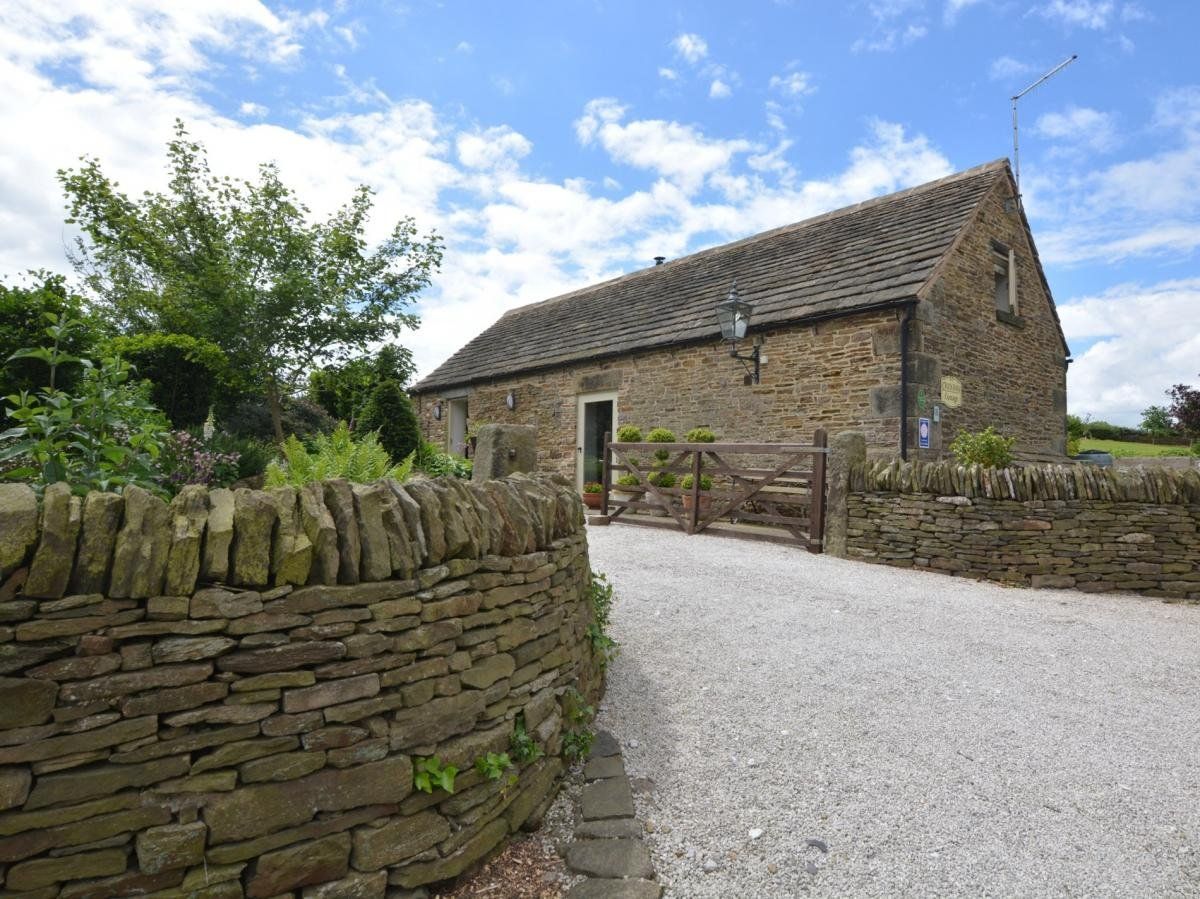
[235,704]
[1073,526]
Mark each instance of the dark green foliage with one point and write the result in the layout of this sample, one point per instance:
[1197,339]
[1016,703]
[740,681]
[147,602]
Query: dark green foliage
[524,748]
[184,372]
[391,414]
[601,593]
[251,417]
[23,324]
[243,264]
[434,462]
[344,390]
[104,435]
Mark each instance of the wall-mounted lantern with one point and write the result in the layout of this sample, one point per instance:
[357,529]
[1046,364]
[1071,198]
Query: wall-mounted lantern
[733,313]
[437,411]
[511,400]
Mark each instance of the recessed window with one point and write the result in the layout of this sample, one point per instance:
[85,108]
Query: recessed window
[1004,278]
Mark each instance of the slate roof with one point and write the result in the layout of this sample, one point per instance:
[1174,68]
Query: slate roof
[873,254]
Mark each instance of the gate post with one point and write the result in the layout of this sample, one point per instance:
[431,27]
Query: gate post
[847,449]
[816,506]
[606,479]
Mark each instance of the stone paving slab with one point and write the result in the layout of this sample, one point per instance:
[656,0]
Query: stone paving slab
[610,858]
[609,798]
[613,828]
[605,766]
[604,745]
[601,888]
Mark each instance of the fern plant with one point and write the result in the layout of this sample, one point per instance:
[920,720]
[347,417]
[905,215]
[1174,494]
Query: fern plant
[336,455]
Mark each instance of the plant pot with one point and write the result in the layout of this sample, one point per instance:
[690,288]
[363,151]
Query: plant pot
[705,503]
[593,500]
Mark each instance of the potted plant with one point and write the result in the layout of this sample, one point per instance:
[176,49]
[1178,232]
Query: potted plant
[706,484]
[659,477]
[700,435]
[629,479]
[593,494]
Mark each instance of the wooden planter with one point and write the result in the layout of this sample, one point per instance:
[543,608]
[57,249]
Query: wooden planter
[705,502]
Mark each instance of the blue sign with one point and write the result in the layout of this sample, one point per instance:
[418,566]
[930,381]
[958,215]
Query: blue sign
[923,433]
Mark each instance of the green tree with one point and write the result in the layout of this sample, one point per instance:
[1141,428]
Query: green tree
[1156,421]
[23,323]
[184,372]
[344,390]
[391,414]
[241,263]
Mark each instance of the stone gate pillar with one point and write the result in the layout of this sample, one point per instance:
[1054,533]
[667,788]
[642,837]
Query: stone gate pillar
[845,449]
[501,450]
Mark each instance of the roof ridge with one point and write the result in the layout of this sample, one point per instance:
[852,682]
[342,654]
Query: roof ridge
[995,165]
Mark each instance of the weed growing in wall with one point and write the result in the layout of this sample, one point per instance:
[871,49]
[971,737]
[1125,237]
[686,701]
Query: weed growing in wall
[429,773]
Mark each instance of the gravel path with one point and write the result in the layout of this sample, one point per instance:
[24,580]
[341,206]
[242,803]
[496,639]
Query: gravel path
[938,736]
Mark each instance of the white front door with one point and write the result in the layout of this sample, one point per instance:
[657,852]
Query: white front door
[596,415]
[456,433]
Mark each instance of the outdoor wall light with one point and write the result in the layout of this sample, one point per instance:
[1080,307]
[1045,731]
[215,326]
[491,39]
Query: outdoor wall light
[733,314]
[511,400]
[437,411]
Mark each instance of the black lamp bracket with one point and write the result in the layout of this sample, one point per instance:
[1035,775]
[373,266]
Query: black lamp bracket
[753,356]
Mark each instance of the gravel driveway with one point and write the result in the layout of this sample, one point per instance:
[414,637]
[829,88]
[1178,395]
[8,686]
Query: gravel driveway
[938,736]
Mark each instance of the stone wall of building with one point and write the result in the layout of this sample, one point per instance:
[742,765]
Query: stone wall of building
[225,696]
[1012,369]
[835,375]
[1093,529]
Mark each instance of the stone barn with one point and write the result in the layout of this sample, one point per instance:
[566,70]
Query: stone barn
[907,317]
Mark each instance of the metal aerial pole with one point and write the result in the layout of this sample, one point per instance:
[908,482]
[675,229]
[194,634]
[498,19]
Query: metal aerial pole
[1015,97]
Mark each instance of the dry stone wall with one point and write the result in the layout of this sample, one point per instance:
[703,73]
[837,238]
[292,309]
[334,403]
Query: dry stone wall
[224,695]
[1080,526]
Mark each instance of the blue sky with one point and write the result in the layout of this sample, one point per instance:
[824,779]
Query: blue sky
[557,144]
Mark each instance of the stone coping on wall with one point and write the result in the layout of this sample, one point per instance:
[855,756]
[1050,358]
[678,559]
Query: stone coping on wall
[1027,483]
[235,702]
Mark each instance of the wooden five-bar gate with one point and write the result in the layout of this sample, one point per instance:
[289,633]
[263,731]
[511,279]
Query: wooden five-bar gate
[778,484]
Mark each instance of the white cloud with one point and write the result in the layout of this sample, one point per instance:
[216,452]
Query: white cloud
[492,148]
[890,39]
[1091,14]
[1147,338]
[253,110]
[1005,68]
[668,73]
[954,7]
[1079,126]
[464,47]
[691,47]
[793,84]
[719,90]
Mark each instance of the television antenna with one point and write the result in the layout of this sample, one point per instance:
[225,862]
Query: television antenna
[1015,97]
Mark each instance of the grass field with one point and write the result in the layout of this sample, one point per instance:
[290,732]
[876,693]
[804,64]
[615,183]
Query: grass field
[1122,449]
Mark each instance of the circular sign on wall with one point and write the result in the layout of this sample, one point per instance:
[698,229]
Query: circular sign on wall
[952,392]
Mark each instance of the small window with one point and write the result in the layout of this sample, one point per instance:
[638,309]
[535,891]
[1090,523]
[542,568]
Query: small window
[1004,275]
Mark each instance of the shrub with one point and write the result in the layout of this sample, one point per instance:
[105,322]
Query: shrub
[593,487]
[188,459]
[184,372]
[337,455]
[1073,446]
[700,435]
[1195,448]
[344,390]
[629,434]
[664,479]
[661,435]
[105,436]
[391,414]
[629,479]
[251,417]
[1076,427]
[986,448]
[706,482]
[25,313]
[434,463]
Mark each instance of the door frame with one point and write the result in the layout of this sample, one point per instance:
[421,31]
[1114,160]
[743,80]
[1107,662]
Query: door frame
[462,401]
[581,400]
